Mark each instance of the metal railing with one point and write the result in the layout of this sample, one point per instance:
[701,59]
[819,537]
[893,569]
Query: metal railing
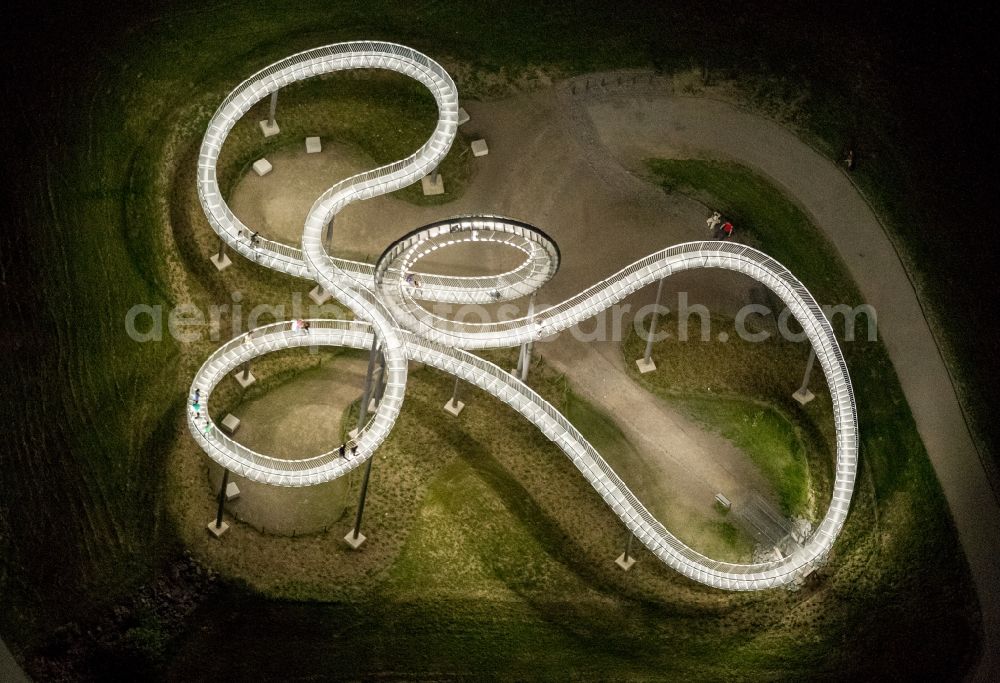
[387,312]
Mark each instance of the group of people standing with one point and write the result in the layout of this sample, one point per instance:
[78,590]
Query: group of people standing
[723,230]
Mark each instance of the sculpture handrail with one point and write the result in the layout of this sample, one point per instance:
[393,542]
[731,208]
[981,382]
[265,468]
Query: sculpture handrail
[387,313]
[485,374]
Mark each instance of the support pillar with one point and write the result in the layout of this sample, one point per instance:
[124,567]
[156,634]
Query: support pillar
[379,384]
[625,560]
[526,348]
[646,363]
[432,183]
[221,260]
[244,376]
[319,295]
[366,393]
[328,238]
[454,406]
[218,527]
[803,395]
[354,537]
[270,126]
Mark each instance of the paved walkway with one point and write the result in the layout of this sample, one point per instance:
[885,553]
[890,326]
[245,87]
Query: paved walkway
[10,672]
[631,128]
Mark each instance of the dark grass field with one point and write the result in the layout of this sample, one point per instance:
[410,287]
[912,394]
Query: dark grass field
[103,102]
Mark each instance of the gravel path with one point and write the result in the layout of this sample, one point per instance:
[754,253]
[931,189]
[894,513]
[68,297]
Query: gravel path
[630,127]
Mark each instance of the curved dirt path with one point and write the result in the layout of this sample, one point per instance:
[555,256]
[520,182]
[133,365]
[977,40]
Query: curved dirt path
[633,127]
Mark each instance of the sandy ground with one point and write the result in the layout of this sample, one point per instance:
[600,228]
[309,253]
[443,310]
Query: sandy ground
[521,177]
[563,162]
[296,420]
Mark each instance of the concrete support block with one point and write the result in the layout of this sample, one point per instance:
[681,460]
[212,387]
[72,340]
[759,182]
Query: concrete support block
[232,491]
[269,128]
[230,423]
[319,295]
[432,184]
[221,263]
[246,379]
[453,407]
[262,167]
[217,531]
[313,145]
[463,116]
[480,148]
[355,543]
[623,563]
[803,396]
[645,365]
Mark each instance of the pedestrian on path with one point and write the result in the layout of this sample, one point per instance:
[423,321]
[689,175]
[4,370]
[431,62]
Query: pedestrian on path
[342,450]
[713,221]
[725,232]
[305,326]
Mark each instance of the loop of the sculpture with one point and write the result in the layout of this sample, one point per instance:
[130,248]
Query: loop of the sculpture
[383,299]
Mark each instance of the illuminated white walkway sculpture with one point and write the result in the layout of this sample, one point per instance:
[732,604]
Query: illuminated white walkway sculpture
[383,300]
